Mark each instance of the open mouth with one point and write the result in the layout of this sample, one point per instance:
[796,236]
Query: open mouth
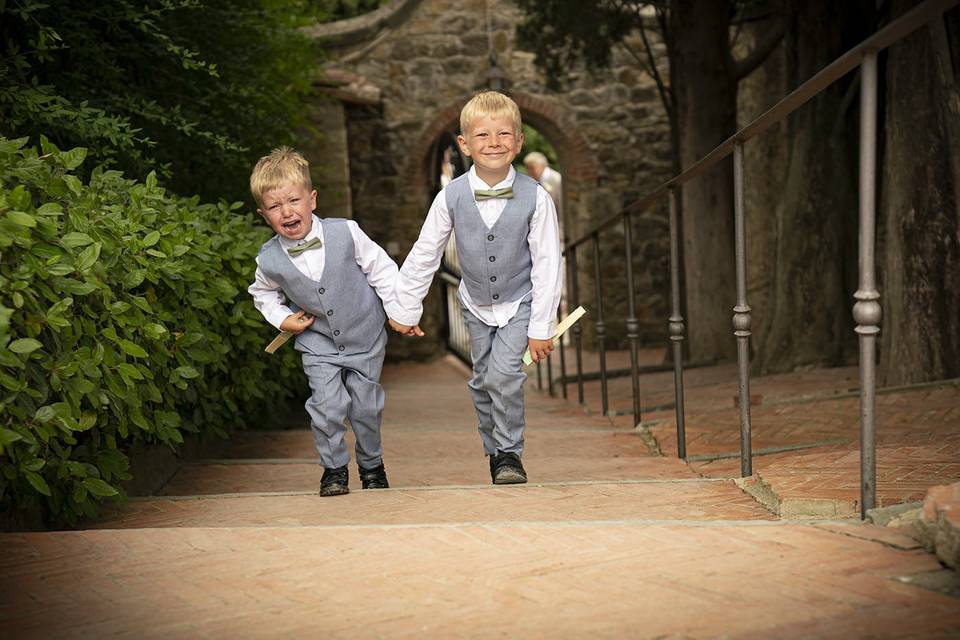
[293,226]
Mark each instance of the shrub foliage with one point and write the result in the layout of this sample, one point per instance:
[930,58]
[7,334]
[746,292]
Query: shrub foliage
[123,319]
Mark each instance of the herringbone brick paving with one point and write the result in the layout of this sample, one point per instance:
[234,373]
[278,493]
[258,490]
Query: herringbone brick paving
[918,430]
[608,540]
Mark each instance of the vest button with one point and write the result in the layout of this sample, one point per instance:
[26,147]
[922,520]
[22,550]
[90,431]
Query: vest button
[493,258]
[322,290]
[490,237]
[493,278]
[496,296]
[341,347]
[336,332]
[330,312]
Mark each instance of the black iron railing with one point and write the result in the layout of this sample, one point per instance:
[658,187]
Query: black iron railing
[866,310]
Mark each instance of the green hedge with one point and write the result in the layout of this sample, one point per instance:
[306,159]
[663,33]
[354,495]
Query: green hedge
[124,317]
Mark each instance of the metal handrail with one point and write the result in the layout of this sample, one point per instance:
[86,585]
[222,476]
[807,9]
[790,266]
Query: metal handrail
[866,311]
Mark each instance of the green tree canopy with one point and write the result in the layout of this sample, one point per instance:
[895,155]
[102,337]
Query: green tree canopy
[195,89]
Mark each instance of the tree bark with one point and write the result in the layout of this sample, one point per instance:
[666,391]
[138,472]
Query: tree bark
[809,318]
[705,90]
[920,206]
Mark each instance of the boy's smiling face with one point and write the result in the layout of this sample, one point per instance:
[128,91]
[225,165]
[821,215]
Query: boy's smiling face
[288,210]
[493,142]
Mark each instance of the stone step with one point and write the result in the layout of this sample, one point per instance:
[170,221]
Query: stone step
[522,580]
[682,499]
[940,523]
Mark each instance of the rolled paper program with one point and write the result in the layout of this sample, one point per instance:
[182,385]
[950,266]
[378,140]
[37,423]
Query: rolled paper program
[562,328]
[278,342]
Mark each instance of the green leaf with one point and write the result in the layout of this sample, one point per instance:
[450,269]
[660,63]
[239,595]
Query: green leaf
[74,158]
[129,371]
[50,209]
[133,349]
[74,184]
[88,420]
[187,372]
[77,288]
[133,278]
[98,487]
[33,465]
[153,330]
[151,238]
[25,345]
[21,218]
[75,239]
[61,269]
[7,437]
[37,482]
[88,256]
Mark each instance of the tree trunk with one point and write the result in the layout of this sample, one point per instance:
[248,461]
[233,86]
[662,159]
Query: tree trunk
[809,320]
[706,91]
[920,337]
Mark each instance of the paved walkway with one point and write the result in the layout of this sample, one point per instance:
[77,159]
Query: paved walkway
[609,540]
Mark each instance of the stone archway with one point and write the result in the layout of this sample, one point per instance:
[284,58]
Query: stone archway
[399,77]
[579,166]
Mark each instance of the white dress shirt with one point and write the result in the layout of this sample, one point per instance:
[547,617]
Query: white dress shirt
[380,269]
[546,274]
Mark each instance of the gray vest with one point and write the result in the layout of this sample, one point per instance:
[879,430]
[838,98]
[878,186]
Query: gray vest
[495,262]
[349,316]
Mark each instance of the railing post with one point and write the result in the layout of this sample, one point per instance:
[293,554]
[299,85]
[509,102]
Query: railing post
[676,325]
[741,314]
[601,327]
[633,327]
[867,311]
[549,365]
[577,329]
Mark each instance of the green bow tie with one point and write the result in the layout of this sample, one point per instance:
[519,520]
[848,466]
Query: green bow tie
[488,194]
[316,243]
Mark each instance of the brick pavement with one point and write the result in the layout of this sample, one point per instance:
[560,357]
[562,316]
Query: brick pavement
[918,432]
[610,540]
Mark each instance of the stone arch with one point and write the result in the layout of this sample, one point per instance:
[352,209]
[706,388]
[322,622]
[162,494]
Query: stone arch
[576,157]
[578,163]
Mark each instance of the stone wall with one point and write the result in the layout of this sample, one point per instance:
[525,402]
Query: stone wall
[426,58]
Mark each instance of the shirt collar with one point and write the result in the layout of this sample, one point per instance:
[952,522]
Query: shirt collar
[315,231]
[477,183]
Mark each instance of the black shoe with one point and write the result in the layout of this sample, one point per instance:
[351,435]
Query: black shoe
[335,482]
[375,478]
[508,469]
[493,467]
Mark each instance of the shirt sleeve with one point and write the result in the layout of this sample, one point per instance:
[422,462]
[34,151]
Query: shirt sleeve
[421,264]
[546,273]
[376,264]
[268,298]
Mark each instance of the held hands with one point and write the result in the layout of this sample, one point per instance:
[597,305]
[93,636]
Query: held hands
[539,349]
[296,323]
[406,329]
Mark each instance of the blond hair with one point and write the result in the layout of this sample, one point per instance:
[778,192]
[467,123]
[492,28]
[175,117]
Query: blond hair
[282,167]
[492,104]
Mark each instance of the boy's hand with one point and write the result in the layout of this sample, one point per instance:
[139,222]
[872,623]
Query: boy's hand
[539,349]
[406,329]
[296,323]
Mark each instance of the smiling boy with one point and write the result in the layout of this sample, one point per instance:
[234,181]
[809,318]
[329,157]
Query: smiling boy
[508,244]
[335,277]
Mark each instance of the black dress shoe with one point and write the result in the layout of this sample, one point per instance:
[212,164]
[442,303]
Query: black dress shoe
[375,478]
[508,469]
[335,482]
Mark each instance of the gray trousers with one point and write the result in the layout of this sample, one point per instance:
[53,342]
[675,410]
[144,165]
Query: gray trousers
[346,387]
[497,382]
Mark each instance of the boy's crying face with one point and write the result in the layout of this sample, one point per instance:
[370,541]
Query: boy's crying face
[288,210]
